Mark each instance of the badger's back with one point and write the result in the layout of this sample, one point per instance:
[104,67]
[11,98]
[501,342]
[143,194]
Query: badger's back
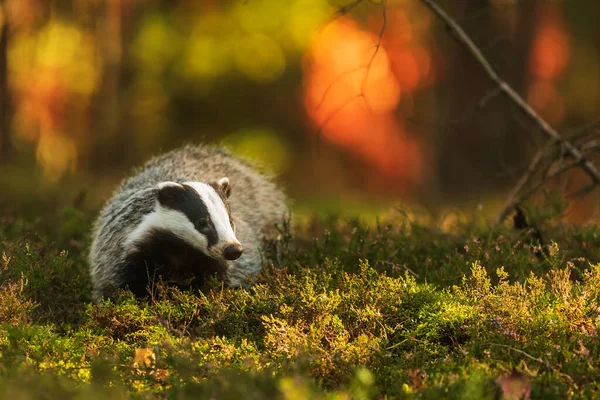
[254,195]
[256,205]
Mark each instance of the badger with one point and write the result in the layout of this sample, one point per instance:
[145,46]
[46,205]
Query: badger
[184,216]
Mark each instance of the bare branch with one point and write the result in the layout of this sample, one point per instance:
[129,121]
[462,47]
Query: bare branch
[513,197]
[517,196]
[518,101]
[583,191]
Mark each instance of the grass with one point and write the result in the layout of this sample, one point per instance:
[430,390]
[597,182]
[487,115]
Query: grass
[342,310]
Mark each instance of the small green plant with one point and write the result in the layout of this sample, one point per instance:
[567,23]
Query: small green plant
[342,310]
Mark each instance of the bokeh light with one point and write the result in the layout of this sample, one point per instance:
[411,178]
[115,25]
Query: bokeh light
[305,18]
[263,146]
[205,57]
[53,74]
[97,86]
[259,57]
[353,88]
[549,58]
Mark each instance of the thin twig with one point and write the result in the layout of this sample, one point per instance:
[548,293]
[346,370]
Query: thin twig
[591,145]
[514,198]
[583,191]
[394,265]
[377,46]
[342,11]
[537,359]
[546,363]
[336,111]
[390,261]
[583,129]
[336,81]
[515,98]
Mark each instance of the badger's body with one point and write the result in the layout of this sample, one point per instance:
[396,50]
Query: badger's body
[182,217]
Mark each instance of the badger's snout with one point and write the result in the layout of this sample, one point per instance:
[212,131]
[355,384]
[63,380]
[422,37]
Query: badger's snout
[233,252]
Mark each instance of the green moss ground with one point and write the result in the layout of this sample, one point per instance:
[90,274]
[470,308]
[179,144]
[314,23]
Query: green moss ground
[392,310]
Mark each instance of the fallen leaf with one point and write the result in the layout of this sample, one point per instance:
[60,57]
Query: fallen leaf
[144,357]
[515,386]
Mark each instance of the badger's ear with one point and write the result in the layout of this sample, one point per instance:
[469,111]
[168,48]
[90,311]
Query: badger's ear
[169,193]
[224,186]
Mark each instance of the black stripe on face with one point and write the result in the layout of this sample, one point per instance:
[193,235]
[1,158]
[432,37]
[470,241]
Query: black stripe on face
[185,199]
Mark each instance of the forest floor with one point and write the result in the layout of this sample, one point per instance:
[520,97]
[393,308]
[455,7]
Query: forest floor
[393,309]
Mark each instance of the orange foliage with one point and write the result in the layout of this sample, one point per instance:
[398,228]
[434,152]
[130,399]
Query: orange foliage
[353,88]
[407,69]
[42,104]
[550,50]
[549,58]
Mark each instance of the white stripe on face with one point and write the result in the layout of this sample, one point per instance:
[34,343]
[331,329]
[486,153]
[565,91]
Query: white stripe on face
[179,224]
[217,212]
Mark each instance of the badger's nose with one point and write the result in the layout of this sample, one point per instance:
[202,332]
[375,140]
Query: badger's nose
[233,252]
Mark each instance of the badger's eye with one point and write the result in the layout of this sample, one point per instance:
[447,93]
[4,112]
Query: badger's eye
[201,223]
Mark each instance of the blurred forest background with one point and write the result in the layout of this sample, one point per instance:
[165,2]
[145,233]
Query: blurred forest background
[90,88]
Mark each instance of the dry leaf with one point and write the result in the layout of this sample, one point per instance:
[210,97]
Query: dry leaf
[515,386]
[144,357]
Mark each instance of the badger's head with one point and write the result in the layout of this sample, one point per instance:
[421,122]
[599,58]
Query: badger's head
[197,213]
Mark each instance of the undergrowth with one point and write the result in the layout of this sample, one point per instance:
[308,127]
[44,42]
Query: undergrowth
[342,310]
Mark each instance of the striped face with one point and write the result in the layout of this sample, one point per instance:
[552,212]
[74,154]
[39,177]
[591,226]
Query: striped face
[197,213]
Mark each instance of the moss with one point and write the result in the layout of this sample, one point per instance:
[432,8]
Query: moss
[342,310]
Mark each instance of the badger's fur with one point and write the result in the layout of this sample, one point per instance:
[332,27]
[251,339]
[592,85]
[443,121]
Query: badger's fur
[188,214]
